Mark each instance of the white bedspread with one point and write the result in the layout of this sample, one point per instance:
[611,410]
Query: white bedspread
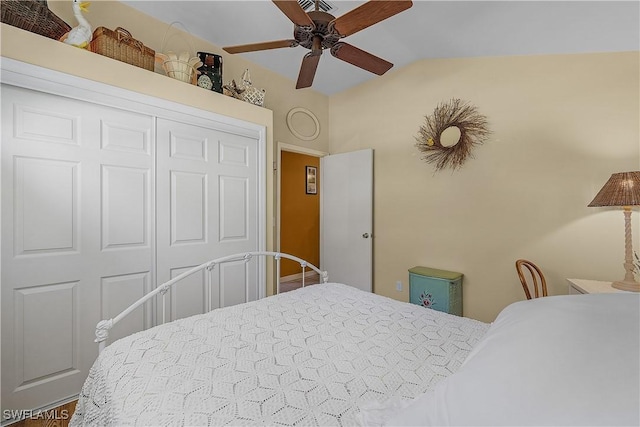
[306,357]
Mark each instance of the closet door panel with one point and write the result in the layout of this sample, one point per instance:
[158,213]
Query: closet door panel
[188,198]
[238,217]
[237,190]
[45,206]
[117,293]
[236,280]
[207,196]
[43,180]
[76,213]
[235,209]
[46,316]
[191,296]
[33,123]
[125,134]
[125,205]
[125,249]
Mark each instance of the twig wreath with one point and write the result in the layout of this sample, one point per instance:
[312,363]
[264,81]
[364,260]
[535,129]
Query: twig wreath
[473,129]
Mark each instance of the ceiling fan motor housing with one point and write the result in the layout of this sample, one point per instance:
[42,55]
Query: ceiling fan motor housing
[305,34]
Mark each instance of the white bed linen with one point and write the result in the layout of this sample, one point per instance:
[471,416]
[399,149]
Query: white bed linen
[306,357]
[565,360]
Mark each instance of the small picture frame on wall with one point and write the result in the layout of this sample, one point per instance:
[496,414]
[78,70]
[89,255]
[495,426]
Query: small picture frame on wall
[311,183]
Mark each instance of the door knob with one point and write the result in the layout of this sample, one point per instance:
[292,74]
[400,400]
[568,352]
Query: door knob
[365,236]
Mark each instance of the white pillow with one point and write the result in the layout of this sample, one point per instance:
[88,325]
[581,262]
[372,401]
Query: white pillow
[564,360]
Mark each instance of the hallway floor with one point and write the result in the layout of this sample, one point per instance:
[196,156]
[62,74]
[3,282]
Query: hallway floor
[295,284]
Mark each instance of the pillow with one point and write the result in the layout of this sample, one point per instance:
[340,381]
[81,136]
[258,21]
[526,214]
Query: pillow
[564,360]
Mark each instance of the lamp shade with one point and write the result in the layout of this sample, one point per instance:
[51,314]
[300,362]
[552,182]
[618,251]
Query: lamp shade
[622,189]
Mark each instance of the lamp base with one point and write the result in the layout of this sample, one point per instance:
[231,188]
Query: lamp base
[627,285]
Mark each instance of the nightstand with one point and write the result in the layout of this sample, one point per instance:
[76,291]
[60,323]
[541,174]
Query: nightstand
[584,286]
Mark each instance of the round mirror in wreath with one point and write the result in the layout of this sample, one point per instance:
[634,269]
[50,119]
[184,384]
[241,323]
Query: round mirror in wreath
[449,135]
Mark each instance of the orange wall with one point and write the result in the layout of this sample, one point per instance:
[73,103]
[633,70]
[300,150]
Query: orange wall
[300,212]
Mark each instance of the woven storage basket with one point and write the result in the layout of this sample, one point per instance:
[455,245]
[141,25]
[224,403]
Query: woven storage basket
[185,71]
[120,45]
[181,66]
[34,16]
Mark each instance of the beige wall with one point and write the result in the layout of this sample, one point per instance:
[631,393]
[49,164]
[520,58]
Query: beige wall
[561,125]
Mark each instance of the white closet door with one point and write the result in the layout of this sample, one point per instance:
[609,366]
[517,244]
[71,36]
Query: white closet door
[207,201]
[77,237]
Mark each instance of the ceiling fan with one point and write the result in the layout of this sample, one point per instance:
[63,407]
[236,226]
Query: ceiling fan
[318,30]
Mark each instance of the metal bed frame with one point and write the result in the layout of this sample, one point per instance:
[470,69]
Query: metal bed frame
[103,327]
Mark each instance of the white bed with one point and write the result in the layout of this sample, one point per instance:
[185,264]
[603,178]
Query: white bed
[330,354]
[312,356]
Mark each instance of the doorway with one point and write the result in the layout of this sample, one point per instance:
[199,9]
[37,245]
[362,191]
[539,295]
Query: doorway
[345,195]
[298,212]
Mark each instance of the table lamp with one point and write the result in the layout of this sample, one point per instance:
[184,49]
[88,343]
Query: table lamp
[622,189]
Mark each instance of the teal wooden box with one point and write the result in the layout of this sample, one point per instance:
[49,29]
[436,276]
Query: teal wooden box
[437,289]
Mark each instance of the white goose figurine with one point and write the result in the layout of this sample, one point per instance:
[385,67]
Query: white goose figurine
[81,35]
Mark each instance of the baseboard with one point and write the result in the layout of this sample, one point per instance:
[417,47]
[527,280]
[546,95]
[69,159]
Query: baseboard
[298,276]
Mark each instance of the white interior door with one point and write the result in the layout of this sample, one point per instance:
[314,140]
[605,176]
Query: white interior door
[346,227]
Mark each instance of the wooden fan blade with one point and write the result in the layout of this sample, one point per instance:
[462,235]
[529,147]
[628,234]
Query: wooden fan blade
[308,70]
[260,46]
[360,58]
[294,12]
[366,15]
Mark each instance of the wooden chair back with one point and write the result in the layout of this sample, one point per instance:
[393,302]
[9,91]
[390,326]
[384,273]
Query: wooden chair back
[537,278]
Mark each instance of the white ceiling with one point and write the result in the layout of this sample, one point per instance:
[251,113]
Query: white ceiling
[430,29]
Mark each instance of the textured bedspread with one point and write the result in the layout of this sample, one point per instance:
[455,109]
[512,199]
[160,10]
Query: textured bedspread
[306,357]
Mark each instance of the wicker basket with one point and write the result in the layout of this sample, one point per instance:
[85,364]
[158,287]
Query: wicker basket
[183,65]
[34,16]
[180,69]
[120,45]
